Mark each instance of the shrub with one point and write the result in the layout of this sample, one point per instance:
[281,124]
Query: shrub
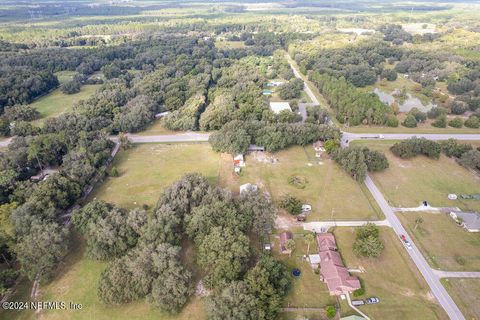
[299,182]
[392,121]
[330,311]
[459,107]
[359,292]
[456,123]
[410,121]
[472,122]
[435,112]
[440,122]
[291,204]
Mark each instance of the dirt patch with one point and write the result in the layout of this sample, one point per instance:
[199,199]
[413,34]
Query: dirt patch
[263,157]
[285,222]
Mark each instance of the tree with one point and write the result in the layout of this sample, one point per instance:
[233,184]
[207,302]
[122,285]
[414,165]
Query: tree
[292,89]
[470,159]
[222,254]
[71,87]
[331,145]
[290,245]
[256,205]
[291,204]
[367,242]
[40,250]
[233,302]
[124,141]
[472,122]
[418,221]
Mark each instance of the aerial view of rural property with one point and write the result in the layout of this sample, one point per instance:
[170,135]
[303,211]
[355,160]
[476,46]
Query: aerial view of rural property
[240,160]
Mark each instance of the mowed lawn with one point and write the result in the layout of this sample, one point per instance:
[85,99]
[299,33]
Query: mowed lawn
[146,169]
[407,182]
[465,293]
[331,192]
[56,102]
[392,277]
[460,251]
[77,282]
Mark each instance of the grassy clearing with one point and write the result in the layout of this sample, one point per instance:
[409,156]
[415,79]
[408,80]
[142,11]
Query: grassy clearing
[156,128]
[307,291]
[465,293]
[77,282]
[56,102]
[225,44]
[326,188]
[146,169]
[65,76]
[392,277]
[407,182]
[460,251]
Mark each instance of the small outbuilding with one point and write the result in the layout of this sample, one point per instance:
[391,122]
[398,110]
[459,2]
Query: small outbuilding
[278,107]
[238,160]
[314,260]
[284,237]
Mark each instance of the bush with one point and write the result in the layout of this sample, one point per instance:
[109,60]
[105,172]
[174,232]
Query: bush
[113,172]
[291,204]
[390,75]
[330,311]
[392,121]
[459,107]
[71,87]
[299,182]
[440,122]
[410,121]
[359,292]
[472,122]
[435,112]
[456,123]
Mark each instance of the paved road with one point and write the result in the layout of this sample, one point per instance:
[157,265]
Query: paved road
[318,226]
[427,209]
[297,74]
[347,136]
[432,279]
[456,274]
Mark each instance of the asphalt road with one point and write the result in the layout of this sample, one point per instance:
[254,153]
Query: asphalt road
[433,280]
[347,136]
[457,274]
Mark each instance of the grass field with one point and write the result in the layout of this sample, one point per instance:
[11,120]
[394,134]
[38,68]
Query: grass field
[326,188]
[56,102]
[407,182]
[460,251]
[77,281]
[146,169]
[465,293]
[156,128]
[392,277]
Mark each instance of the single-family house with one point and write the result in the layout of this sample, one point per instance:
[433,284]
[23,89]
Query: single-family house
[332,269]
[469,220]
[278,107]
[284,237]
[248,187]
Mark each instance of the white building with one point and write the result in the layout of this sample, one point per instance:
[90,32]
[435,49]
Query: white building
[278,107]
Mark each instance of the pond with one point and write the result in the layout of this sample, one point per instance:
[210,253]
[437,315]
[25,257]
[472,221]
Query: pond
[410,103]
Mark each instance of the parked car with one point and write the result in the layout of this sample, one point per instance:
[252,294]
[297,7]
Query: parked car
[372,300]
[306,207]
[408,245]
[358,302]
